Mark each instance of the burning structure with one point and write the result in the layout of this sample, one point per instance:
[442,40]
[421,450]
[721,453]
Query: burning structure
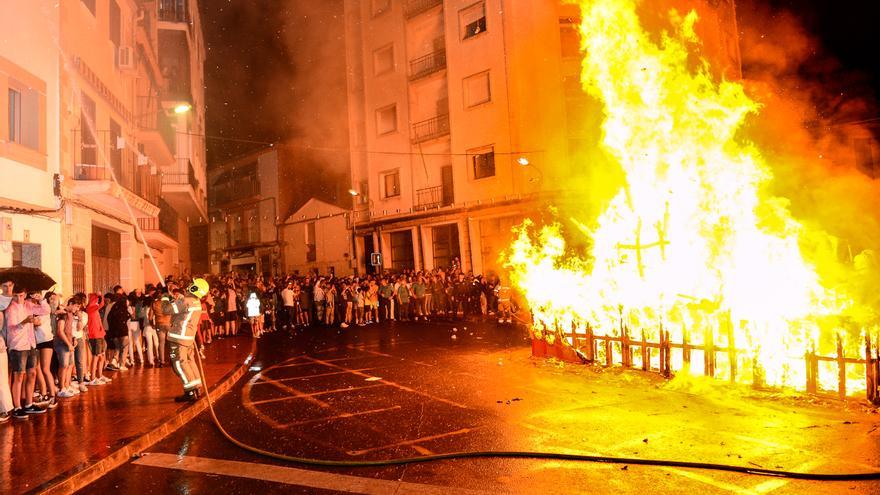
[692,249]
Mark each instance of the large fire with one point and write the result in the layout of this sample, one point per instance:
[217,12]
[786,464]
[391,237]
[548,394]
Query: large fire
[693,241]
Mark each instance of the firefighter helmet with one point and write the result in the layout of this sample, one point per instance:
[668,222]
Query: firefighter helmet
[199,288]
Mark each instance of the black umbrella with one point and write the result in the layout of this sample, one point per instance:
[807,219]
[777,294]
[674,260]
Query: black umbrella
[27,278]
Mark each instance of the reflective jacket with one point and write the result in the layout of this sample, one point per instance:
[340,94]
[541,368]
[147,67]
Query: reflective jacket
[185,315]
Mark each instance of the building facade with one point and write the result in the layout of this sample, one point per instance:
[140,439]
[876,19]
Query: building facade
[465,116]
[102,115]
[317,239]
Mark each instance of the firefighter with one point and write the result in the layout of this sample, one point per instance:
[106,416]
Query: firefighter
[502,294]
[185,310]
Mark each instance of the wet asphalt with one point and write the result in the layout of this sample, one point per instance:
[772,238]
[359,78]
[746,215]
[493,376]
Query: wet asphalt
[410,389]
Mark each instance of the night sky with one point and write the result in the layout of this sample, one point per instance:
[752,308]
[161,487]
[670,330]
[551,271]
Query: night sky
[275,68]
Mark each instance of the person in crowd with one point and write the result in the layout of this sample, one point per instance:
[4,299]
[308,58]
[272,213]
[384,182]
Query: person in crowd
[163,326]
[386,300]
[117,331]
[372,302]
[6,404]
[403,295]
[64,346]
[151,335]
[330,296]
[96,334]
[231,309]
[45,343]
[253,313]
[22,345]
[135,328]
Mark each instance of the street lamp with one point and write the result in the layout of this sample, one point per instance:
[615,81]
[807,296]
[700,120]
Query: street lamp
[524,162]
[182,108]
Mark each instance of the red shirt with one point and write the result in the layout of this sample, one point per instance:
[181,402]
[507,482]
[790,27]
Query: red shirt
[96,329]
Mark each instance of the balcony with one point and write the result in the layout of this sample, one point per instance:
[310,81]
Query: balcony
[432,128]
[174,11]
[162,231]
[427,64]
[413,8]
[433,197]
[155,131]
[180,188]
[95,165]
[225,193]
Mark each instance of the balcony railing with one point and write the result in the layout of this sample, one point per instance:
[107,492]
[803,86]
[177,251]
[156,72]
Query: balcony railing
[152,117]
[182,178]
[427,64]
[430,129]
[166,222]
[413,8]
[430,197]
[96,159]
[174,10]
[229,192]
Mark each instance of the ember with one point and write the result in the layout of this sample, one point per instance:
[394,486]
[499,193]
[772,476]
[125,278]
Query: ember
[693,249]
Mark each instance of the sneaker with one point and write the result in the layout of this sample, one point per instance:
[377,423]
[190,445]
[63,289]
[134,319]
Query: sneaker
[123,368]
[74,390]
[104,380]
[343,325]
[42,401]
[64,394]
[83,388]
[53,403]
[34,409]
[4,417]
[19,413]
[111,367]
[189,396]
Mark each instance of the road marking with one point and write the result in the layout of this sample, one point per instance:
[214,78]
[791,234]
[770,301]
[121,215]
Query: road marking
[314,394]
[376,353]
[341,416]
[775,484]
[294,476]
[284,388]
[294,365]
[710,481]
[411,442]
[393,384]
[304,377]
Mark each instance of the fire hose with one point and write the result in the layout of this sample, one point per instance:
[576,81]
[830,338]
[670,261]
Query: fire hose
[514,454]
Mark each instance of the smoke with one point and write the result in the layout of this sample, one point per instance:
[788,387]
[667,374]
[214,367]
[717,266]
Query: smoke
[808,129]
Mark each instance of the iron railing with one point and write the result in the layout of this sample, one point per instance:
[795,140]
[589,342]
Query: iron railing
[166,222]
[174,10]
[429,197]
[179,178]
[413,8]
[427,64]
[98,159]
[430,129]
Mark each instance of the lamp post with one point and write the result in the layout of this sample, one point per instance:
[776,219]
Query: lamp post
[354,257]
[524,162]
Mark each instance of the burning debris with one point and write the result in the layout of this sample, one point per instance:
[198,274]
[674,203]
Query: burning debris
[694,264]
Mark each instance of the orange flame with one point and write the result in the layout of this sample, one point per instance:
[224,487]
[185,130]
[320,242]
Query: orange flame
[693,241]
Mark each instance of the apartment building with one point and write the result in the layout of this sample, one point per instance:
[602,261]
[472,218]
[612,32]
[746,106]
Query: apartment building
[465,116]
[30,203]
[251,196]
[103,141]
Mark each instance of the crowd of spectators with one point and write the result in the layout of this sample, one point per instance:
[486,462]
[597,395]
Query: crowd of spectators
[54,348]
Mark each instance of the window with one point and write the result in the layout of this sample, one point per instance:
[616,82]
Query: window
[24,115]
[483,164]
[90,4]
[472,20]
[445,244]
[386,120]
[78,270]
[88,140]
[569,36]
[364,195]
[106,253]
[402,256]
[477,89]
[391,184]
[381,6]
[26,254]
[311,251]
[115,29]
[115,152]
[383,60]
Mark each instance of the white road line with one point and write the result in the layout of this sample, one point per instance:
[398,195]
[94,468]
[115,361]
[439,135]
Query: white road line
[376,353]
[294,476]
[305,377]
[711,481]
[393,384]
[411,442]
[314,394]
[775,484]
[341,416]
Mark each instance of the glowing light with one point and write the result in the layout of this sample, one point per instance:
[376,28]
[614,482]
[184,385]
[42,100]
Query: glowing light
[353,192]
[182,108]
[522,161]
[693,242]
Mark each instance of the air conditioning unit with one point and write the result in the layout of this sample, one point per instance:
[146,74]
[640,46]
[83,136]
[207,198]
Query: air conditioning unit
[120,143]
[143,159]
[5,228]
[126,57]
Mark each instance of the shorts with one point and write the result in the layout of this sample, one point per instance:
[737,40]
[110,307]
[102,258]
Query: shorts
[98,346]
[21,361]
[63,355]
[46,345]
[118,343]
[232,316]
